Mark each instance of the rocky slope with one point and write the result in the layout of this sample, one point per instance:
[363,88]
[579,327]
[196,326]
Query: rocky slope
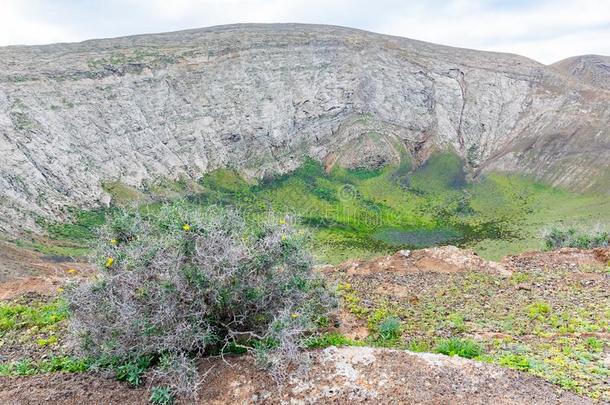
[591,69]
[261,98]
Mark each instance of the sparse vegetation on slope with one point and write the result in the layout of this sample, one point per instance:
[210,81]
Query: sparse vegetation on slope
[556,238]
[550,318]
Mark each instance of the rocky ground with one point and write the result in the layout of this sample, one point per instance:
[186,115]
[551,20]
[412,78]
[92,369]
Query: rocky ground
[541,321]
[337,375]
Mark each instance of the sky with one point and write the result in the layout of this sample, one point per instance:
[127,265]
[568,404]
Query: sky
[545,30]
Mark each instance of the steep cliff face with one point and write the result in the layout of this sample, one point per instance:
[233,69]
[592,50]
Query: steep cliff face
[261,98]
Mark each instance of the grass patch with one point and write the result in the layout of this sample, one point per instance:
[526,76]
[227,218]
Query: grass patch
[54,364]
[466,348]
[19,316]
[330,339]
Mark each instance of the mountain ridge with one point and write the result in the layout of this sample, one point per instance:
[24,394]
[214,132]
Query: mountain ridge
[261,98]
[590,69]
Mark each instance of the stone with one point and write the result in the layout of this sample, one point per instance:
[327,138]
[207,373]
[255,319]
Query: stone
[404,253]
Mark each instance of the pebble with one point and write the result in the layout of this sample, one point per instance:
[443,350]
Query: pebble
[404,253]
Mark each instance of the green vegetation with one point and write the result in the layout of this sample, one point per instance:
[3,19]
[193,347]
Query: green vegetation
[389,328]
[39,315]
[517,361]
[158,256]
[132,371]
[81,228]
[123,194]
[459,347]
[538,310]
[67,239]
[321,341]
[556,238]
[161,396]
[55,247]
[50,365]
[364,213]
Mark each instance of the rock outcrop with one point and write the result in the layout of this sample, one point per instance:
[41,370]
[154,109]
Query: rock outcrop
[261,98]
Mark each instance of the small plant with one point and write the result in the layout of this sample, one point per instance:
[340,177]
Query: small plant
[389,328]
[538,310]
[351,300]
[457,323]
[419,346]
[594,344]
[132,371]
[516,361]
[51,340]
[161,396]
[459,347]
[517,278]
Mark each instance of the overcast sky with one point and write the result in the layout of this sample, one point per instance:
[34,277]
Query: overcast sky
[545,30]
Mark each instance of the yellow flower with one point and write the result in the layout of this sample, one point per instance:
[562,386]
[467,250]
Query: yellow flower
[60,290]
[109,262]
[114,242]
[71,271]
[186,227]
[283,237]
[282,221]
[294,315]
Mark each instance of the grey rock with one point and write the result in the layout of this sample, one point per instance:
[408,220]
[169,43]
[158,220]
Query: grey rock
[404,253]
[262,98]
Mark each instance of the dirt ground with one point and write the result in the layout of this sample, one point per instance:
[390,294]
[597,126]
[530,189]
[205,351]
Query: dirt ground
[347,375]
[23,271]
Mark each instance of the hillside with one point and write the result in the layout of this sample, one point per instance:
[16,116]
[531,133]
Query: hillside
[263,98]
[530,329]
[590,69]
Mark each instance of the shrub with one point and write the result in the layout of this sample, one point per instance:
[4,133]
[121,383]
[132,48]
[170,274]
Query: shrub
[556,238]
[179,282]
[460,347]
[389,328]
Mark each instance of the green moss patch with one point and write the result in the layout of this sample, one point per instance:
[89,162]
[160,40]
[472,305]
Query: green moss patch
[364,213]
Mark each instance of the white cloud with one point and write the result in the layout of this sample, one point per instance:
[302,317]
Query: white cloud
[543,30]
[17,28]
[546,31]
